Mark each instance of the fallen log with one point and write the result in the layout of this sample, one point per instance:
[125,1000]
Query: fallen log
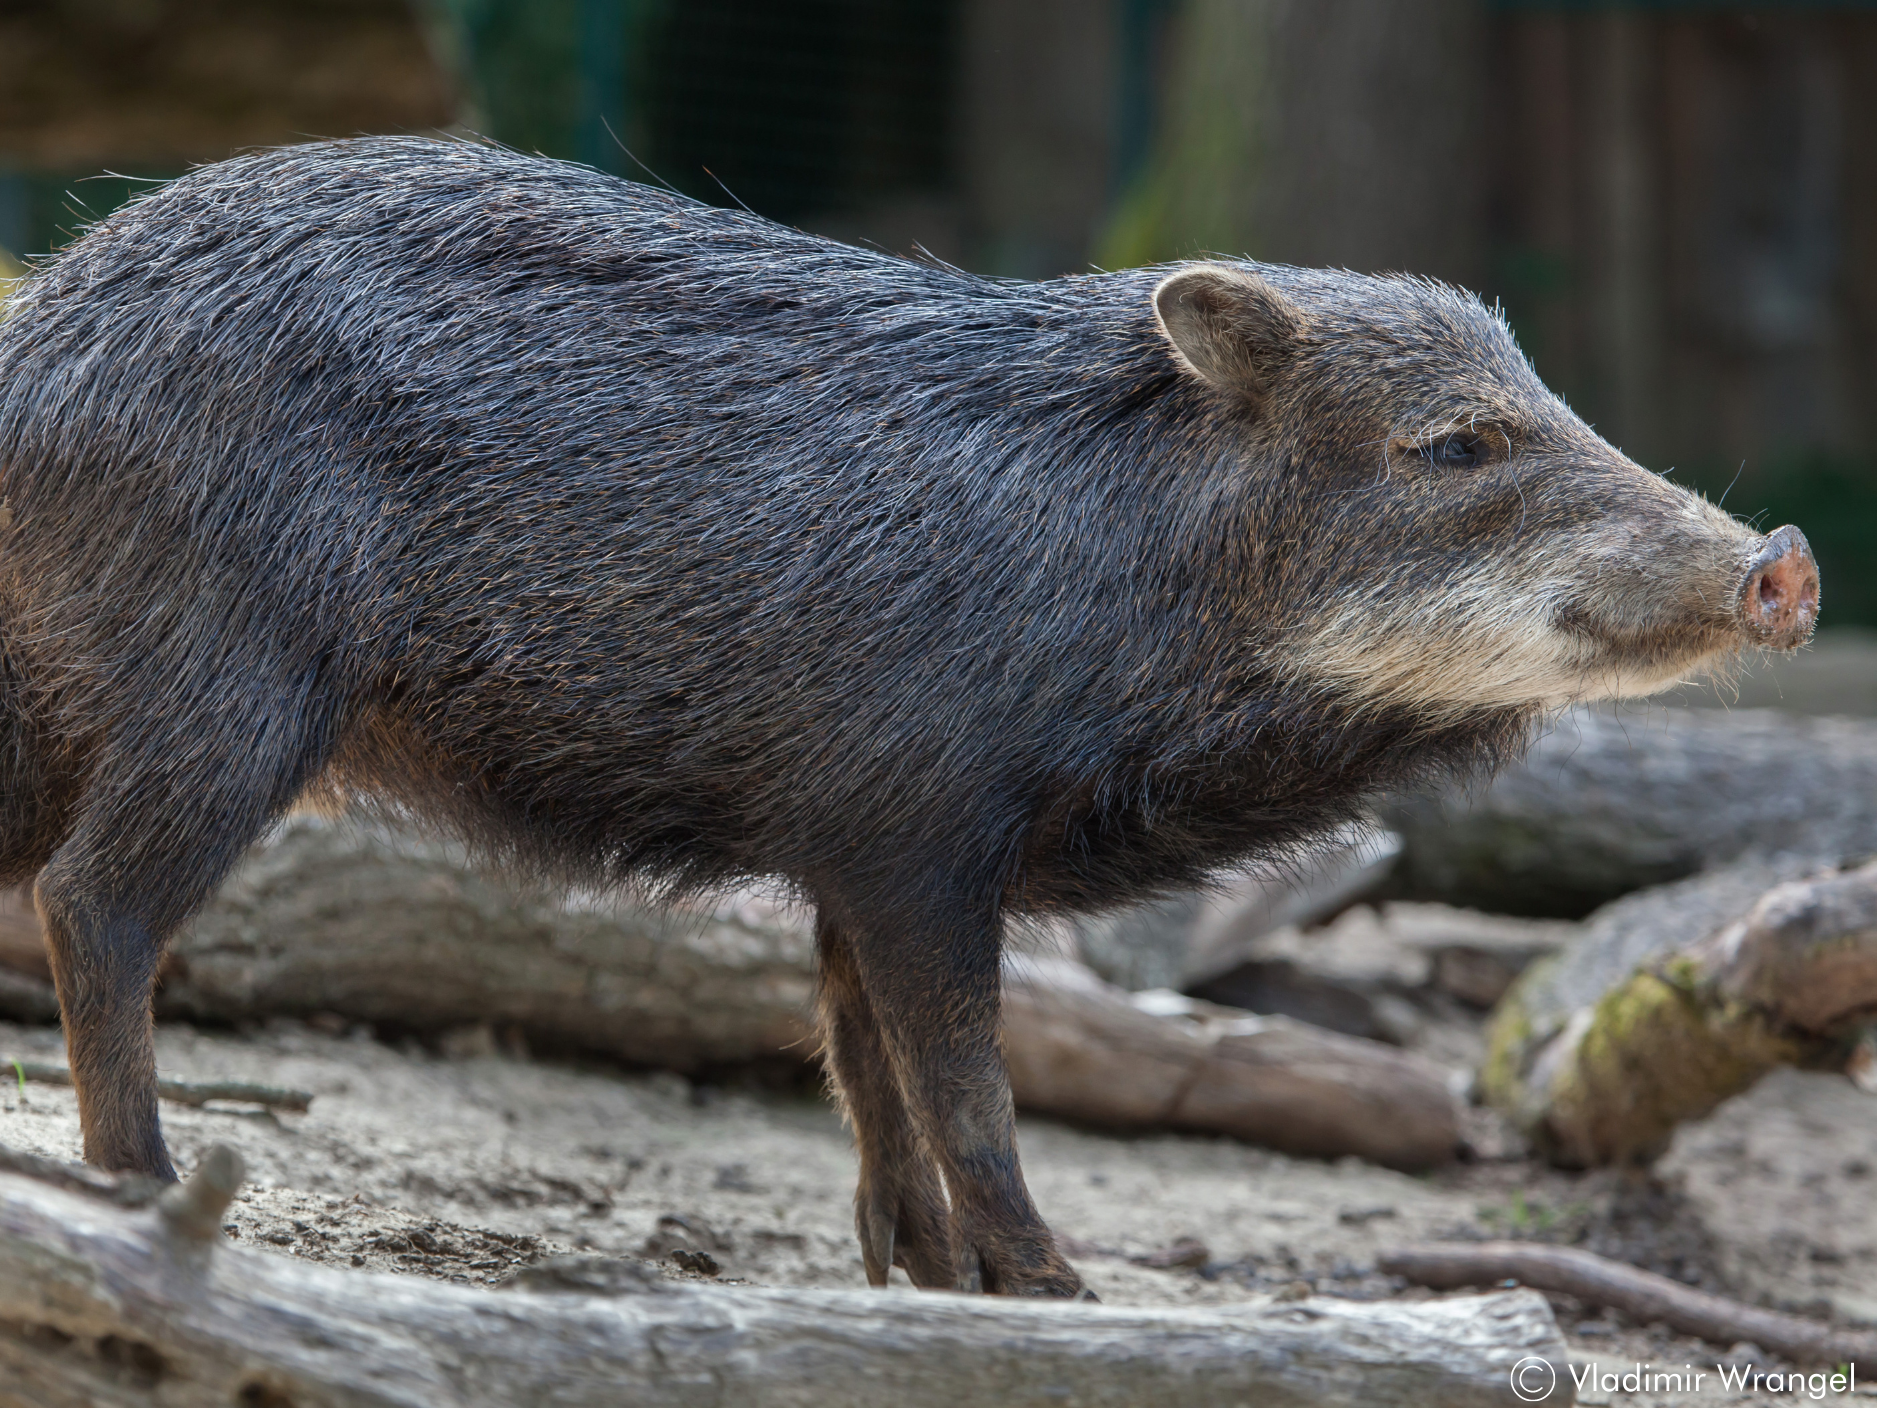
[1082,1050]
[1641,1295]
[366,924]
[25,998]
[1370,971]
[102,1306]
[1176,941]
[1611,801]
[1678,998]
[383,926]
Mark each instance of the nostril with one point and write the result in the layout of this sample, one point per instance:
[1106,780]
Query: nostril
[1779,596]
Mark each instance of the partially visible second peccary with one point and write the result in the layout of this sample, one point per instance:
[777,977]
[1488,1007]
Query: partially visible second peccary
[644,542]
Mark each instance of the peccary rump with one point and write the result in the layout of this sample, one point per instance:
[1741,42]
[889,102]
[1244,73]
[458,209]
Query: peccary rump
[641,541]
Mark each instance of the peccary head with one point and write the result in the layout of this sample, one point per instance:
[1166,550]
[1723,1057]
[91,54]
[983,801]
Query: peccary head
[1436,529]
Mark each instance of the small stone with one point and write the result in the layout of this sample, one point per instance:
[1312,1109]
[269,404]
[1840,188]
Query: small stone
[702,1263]
[734,1178]
[588,1275]
[1188,1253]
[467,1043]
[1356,1217]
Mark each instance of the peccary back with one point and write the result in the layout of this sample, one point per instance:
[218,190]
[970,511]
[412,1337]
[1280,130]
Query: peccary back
[640,538]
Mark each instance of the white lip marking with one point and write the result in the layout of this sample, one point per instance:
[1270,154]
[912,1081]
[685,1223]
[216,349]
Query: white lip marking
[1488,641]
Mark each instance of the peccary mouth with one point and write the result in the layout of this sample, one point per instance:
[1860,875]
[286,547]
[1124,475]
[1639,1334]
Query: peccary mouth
[1628,626]
[1772,603]
[1640,660]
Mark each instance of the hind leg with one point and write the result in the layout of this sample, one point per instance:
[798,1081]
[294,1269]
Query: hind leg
[900,1209]
[104,965]
[161,822]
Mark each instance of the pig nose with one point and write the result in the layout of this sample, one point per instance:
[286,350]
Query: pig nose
[1778,602]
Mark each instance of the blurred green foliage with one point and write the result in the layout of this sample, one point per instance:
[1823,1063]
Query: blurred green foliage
[560,77]
[522,63]
[48,212]
[1833,500]
[1197,194]
[11,272]
[799,110]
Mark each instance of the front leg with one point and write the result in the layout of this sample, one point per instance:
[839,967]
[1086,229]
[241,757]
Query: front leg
[900,1210]
[934,993]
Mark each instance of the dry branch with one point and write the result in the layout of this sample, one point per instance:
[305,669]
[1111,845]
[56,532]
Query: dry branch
[106,1307]
[1642,1295]
[181,1092]
[378,926]
[1675,1000]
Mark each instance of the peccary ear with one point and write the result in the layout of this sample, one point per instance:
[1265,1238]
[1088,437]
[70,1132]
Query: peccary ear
[1227,325]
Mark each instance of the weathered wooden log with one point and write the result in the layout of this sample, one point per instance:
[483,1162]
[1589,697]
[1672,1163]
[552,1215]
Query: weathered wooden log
[104,1306]
[1184,938]
[22,943]
[1679,997]
[1080,1049]
[1608,802]
[26,998]
[1370,970]
[378,926]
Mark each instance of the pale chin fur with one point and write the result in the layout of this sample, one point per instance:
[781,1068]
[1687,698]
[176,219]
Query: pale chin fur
[1495,659]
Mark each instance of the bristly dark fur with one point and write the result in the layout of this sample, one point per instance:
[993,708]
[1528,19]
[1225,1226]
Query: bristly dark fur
[643,541]
[639,538]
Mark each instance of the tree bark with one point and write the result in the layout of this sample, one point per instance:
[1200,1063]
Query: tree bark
[1678,998]
[102,1306]
[1080,1049]
[1607,803]
[379,926]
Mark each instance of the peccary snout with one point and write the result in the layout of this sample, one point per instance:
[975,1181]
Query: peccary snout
[1778,599]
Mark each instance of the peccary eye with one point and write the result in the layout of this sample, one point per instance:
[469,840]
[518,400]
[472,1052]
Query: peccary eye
[1455,452]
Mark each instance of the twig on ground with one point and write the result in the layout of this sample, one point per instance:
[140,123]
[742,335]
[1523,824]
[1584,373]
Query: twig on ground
[1641,1295]
[182,1092]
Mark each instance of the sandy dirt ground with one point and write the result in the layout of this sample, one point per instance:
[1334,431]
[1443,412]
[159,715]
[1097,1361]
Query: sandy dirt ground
[467,1165]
